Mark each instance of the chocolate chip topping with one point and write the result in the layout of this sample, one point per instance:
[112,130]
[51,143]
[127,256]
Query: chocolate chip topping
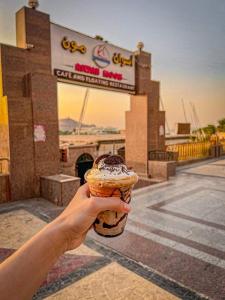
[101,157]
[114,160]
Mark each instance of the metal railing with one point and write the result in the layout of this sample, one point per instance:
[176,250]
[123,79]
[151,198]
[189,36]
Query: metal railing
[190,151]
[4,165]
[223,146]
[163,155]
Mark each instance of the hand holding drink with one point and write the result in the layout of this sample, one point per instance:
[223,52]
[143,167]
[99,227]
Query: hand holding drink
[110,177]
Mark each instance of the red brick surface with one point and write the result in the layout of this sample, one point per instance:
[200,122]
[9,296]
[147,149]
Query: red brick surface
[32,100]
[144,118]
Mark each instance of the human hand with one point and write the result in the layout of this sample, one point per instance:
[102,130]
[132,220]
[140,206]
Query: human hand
[80,214]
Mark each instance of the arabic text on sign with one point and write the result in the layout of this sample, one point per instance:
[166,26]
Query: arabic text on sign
[122,61]
[73,46]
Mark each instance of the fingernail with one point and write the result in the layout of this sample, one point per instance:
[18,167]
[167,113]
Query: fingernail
[126,207]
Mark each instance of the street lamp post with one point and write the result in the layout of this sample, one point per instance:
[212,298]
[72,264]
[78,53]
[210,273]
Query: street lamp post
[33,4]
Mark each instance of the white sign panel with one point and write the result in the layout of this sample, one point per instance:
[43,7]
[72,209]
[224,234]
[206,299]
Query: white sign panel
[39,133]
[83,60]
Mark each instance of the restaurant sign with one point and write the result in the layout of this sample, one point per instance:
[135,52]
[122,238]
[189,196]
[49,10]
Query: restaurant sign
[82,60]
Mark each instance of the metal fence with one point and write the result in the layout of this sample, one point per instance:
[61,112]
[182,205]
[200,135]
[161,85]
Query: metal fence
[190,151]
[223,146]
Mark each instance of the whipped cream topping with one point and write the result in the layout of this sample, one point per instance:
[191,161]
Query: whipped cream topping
[107,171]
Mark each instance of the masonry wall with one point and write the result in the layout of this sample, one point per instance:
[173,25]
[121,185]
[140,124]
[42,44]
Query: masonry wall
[4,129]
[144,118]
[156,118]
[161,138]
[4,188]
[142,72]
[69,168]
[136,149]
[33,28]
[31,91]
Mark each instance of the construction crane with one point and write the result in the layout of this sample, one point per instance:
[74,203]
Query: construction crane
[83,109]
[195,125]
[185,116]
[167,124]
[199,131]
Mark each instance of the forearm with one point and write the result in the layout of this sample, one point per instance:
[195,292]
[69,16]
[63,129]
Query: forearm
[26,269]
[23,272]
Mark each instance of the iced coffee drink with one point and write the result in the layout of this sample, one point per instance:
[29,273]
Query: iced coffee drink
[110,177]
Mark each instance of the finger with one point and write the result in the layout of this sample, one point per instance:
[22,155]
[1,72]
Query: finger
[110,203]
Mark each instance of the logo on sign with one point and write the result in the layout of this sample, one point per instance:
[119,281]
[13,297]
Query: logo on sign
[101,56]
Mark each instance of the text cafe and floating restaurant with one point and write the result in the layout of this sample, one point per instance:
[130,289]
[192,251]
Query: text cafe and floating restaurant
[46,54]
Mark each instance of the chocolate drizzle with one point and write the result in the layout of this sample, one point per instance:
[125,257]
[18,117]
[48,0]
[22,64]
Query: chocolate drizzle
[125,194]
[103,156]
[114,160]
[108,226]
[125,170]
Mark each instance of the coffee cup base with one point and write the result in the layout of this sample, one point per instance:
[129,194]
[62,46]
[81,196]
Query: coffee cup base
[107,235]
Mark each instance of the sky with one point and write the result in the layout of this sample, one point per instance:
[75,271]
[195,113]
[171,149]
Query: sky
[185,38]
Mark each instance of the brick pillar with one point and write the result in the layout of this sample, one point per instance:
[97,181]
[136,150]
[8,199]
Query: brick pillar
[136,145]
[156,118]
[142,72]
[33,28]
[144,119]
[31,91]
[4,128]
[43,93]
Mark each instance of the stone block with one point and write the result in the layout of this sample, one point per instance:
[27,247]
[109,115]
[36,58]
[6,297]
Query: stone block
[142,182]
[161,169]
[59,189]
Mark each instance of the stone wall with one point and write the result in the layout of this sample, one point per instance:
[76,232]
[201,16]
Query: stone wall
[31,91]
[75,152]
[4,128]
[145,123]
[161,169]
[136,144]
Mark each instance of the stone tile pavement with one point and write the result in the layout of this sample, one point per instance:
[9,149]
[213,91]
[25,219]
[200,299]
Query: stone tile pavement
[173,246]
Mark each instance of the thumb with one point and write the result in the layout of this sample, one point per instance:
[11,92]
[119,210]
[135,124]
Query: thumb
[110,203]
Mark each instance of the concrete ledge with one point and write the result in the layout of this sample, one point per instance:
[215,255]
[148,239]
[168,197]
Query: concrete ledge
[161,169]
[142,182]
[60,188]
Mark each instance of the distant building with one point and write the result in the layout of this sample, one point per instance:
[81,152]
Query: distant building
[70,125]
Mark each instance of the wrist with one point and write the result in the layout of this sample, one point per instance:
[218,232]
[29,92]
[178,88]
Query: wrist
[55,232]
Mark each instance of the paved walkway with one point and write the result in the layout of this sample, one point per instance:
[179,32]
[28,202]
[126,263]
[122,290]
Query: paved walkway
[173,246]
